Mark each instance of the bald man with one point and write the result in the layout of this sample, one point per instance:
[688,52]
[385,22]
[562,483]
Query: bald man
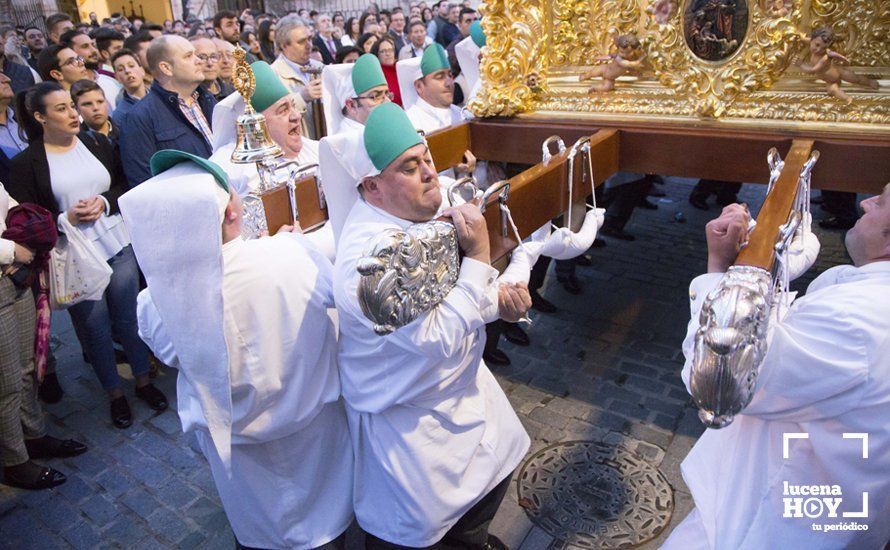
[176,112]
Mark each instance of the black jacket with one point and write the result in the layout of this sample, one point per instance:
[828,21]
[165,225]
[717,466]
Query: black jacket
[326,56]
[21,76]
[156,122]
[29,175]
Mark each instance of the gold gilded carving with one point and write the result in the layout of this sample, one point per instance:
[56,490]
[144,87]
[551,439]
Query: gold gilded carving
[862,28]
[514,57]
[552,42]
[759,61]
[579,32]
[788,106]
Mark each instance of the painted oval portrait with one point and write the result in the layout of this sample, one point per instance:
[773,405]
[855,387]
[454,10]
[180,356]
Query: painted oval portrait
[715,29]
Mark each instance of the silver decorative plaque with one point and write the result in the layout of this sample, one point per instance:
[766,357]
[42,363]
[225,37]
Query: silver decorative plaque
[406,273]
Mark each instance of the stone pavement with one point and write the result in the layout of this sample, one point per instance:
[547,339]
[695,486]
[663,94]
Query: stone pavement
[605,367]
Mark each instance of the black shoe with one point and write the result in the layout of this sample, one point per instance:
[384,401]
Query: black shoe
[539,303]
[496,357]
[514,333]
[646,205]
[598,243]
[837,223]
[698,202]
[495,543]
[121,416]
[584,260]
[153,396]
[33,476]
[571,284]
[51,447]
[616,233]
[50,391]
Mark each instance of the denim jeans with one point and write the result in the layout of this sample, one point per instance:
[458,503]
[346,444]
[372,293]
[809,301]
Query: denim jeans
[96,321]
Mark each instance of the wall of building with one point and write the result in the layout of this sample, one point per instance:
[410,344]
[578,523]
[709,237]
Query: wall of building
[153,10]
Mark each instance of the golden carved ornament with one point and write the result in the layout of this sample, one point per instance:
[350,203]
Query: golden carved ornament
[554,40]
[760,60]
[514,52]
[242,78]
[578,35]
[862,28]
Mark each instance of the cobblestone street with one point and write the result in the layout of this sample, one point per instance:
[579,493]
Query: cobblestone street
[604,367]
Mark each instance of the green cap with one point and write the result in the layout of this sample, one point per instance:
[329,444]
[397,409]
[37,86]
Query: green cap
[269,87]
[388,134]
[434,59]
[367,74]
[168,158]
[477,33]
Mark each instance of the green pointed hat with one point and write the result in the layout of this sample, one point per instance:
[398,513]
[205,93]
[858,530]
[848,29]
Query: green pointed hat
[269,87]
[477,33]
[367,74]
[388,134]
[167,158]
[434,59]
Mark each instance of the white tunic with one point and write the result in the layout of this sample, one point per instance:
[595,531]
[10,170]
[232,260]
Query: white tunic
[826,373]
[432,430]
[349,125]
[291,464]
[429,119]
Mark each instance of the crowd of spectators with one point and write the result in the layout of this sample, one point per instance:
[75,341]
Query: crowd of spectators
[83,107]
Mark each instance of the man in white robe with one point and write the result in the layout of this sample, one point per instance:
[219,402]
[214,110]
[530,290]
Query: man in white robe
[826,374]
[246,325]
[434,436]
[284,121]
[350,91]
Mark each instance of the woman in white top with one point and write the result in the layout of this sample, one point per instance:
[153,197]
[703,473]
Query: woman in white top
[80,177]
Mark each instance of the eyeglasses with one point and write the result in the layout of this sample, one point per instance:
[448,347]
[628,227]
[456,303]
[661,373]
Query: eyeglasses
[377,97]
[76,60]
[208,57]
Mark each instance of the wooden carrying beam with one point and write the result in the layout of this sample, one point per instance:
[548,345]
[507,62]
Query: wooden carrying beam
[309,206]
[760,250]
[540,194]
[447,146]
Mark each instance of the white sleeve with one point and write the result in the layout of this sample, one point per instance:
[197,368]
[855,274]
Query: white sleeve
[699,289]
[152,330]
[816,363]
[324,284]
[7,252]
[442,331]
[471,304]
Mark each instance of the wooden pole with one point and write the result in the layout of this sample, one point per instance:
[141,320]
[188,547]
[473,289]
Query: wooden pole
[760,250]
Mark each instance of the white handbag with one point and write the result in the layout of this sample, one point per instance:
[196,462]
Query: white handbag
[77,272]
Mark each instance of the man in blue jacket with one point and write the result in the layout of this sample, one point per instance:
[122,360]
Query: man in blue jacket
[176,112]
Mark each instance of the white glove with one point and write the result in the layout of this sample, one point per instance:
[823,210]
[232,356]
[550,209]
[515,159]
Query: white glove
[804,248]
[565,245]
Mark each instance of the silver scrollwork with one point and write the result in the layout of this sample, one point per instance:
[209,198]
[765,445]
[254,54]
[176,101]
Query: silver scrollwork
[404,274]
[730,344]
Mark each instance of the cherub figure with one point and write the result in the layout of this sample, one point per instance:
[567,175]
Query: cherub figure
[628,59]
[822,64]
[661,10]
[778,8]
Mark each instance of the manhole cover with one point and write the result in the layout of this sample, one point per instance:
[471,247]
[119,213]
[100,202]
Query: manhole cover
[591,494]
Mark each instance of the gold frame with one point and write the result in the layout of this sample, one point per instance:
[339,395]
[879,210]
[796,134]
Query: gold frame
[536,48]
